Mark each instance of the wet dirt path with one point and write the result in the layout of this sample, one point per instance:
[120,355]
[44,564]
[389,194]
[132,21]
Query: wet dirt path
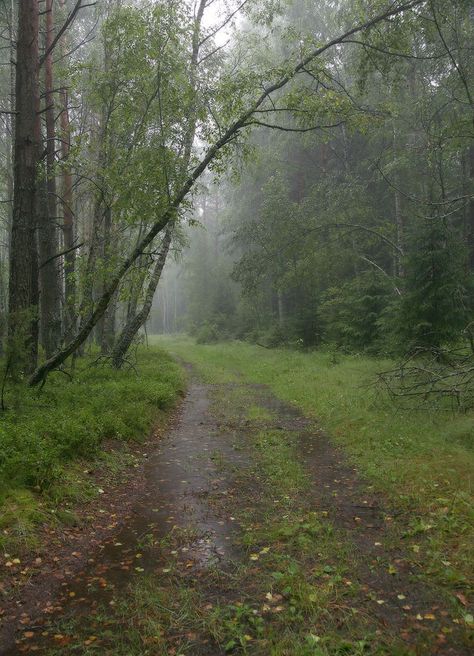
[180,476]
[194,482]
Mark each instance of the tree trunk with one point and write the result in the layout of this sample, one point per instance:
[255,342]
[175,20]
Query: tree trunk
[70,310]
[133,326]
[9,134]
[48,242]
[470,212]
[68,218]
[23,284]
[87,297]
[281,308]
[399,223]
[109,325]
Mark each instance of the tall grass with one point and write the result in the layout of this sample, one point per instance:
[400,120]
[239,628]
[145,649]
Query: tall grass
[43,433]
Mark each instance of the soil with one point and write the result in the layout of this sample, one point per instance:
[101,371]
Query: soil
[173,494]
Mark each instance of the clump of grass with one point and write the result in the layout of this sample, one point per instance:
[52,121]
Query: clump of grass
[41,435]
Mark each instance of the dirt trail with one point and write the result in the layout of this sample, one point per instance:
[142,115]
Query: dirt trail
[180,475]
[184,515]
[388,577]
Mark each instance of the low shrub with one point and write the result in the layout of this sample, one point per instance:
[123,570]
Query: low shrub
[41,432]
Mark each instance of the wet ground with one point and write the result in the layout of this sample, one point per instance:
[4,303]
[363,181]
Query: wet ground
[180,475]
[184,515]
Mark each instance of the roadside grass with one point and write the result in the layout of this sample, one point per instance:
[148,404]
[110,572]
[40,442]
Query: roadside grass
[49,439]
[422,460]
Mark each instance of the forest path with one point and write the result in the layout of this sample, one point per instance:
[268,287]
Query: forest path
[254,536]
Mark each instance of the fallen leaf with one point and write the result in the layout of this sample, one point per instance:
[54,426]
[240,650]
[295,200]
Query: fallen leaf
[461,598]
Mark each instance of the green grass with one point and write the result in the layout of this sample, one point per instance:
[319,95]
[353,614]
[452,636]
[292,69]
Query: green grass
[48,438]
[422,460]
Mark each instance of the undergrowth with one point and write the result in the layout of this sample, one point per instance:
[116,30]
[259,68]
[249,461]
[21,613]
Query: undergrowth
[43,434]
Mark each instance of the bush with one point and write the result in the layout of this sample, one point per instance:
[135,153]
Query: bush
[350,313]
[68,420]
[208,334]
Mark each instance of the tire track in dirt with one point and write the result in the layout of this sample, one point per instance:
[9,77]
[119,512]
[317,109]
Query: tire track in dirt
[189,493]
[394,593]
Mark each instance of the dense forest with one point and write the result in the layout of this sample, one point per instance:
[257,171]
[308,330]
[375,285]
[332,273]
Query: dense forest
[357,233]
[342,211]
[265,207]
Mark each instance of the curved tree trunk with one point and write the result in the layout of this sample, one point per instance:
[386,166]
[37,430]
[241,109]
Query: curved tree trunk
[136,322]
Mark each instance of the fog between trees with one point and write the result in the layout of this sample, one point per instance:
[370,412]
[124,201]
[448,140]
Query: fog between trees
[303,168]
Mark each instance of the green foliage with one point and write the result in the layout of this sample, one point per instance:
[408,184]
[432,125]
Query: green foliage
[41,434]
[436,305]
[350,313]
[208,333]
[354,234]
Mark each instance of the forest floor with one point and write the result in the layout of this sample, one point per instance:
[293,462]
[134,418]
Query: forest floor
[252,532]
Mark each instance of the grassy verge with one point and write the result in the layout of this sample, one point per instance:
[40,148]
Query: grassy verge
[421,460]
[47,439]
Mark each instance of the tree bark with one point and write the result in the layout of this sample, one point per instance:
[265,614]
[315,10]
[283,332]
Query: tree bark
[70,311]
[109,326]
[470,212]
[23,282]
[133,326]
[68,217]
[48,242]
